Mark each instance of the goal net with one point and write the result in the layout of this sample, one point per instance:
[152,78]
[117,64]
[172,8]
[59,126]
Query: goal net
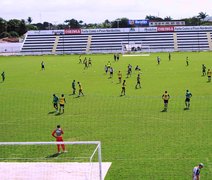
[135,49]
[40,160]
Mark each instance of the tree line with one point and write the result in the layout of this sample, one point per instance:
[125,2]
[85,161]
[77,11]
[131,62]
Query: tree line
[17,28]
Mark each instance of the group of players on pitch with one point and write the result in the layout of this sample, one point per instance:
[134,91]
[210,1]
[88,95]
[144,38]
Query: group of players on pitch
[61,101]
[109,69]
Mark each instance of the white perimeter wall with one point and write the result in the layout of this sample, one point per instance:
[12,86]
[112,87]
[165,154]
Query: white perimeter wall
[10,47]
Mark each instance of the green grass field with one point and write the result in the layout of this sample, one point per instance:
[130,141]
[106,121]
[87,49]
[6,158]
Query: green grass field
[139,140]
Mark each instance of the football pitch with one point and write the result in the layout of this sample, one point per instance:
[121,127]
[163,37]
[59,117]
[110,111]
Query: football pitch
[141,141]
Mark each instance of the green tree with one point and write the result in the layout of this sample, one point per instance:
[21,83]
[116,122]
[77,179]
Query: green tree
[31,27]
[202,15]
[13,25]
[29,20]
[22,28]
[13,34]
[106,24]
[72,23]
[4,34]
[47,25]
[3,25]
[120,23]
[168,18]
[155,18]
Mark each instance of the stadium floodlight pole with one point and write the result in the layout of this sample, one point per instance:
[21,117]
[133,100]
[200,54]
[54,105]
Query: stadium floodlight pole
[118,20]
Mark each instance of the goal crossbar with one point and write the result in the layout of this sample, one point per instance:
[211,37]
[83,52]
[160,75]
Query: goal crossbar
[47,143]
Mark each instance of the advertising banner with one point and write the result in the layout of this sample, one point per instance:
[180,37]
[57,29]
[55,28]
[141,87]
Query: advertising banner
[193,28]
[143,22]
[72,31]
[165,29]
[46,32]
[167,23]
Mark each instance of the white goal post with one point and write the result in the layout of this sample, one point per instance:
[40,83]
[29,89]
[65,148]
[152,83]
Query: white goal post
[135,49]
[97,149]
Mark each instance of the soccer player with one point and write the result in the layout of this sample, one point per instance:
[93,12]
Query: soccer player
[55,102]
[3,76]
[119,76]
[138,82]
[89,62]
[187,63]
[80,60]
[158,60]
[114,57]
[73,85]
[106,69]
[165,98]
[80,89]
[137,68]
[196,172]
[85,62]
[209,75]
[129,70]
[42,66]
[187,100]
[62,102]
[170,57]
[108,65]
[57,133]
[123,88]
[203,70]
[117,56]
[111,72]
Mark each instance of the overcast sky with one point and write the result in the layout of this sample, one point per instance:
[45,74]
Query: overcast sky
[91,11]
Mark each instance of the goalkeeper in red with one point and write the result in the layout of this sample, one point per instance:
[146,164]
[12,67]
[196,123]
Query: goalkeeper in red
[57,133]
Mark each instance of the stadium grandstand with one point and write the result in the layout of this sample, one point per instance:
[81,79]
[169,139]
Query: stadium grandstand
[79,41]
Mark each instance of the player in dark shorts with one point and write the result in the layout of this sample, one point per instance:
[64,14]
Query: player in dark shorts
[203,70]
[123,88]
[55,102]
[62,102]
[114,57]
[187,100]
[111,72]
[106,69]
[137,68]
[3,76]
[73,85]
[42,66]
[138,82]
[80,89]
[165,98]
[117,56]
[187,63]
[209,75]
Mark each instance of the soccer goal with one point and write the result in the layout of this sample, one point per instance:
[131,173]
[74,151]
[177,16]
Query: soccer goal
[82,160]
[135,49]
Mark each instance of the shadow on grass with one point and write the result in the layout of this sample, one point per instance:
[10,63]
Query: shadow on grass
[53,155]
[58,114]
[51,112]
[71,94]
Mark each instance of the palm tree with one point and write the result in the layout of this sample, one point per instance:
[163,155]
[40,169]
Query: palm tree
[202,15]
[29,20]
[167,18]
